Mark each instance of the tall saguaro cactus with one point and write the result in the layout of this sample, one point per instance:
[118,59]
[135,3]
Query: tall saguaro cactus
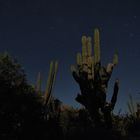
[93,78]
[50,82]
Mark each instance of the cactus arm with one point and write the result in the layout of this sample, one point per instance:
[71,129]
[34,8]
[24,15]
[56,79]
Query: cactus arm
[129,108]
[97,46]
[79,59]
[84,42]
[84,54]
[115,59]
[48,80]
[54,72]
[50,88]
[109,70]
[89,47]
[131,104]
[47,93]
[115,93]
[76,77]
[75,74]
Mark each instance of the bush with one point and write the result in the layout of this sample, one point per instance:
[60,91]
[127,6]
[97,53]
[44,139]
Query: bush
[21,112]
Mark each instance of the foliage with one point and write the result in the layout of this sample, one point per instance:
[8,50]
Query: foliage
[21,111]
[11,74]
[23,114]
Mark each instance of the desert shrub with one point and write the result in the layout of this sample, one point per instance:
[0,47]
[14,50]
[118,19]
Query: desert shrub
[21,112]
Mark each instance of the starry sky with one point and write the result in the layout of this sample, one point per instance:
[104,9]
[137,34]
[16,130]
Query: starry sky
[38,31]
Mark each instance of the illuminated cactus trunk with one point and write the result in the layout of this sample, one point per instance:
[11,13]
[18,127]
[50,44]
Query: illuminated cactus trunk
[93,79]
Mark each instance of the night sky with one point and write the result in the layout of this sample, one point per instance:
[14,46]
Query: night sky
[38,31]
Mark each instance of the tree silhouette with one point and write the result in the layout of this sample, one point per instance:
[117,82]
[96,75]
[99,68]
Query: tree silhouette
[21,110]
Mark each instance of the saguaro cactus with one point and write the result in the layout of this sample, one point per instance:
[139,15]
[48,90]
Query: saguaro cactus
[50,82]
[93,78]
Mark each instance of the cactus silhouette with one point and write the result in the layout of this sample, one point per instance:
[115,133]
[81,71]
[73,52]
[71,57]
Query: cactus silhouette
[93,79]
[50,82]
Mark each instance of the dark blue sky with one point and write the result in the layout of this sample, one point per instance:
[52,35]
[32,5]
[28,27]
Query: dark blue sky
[38,31]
